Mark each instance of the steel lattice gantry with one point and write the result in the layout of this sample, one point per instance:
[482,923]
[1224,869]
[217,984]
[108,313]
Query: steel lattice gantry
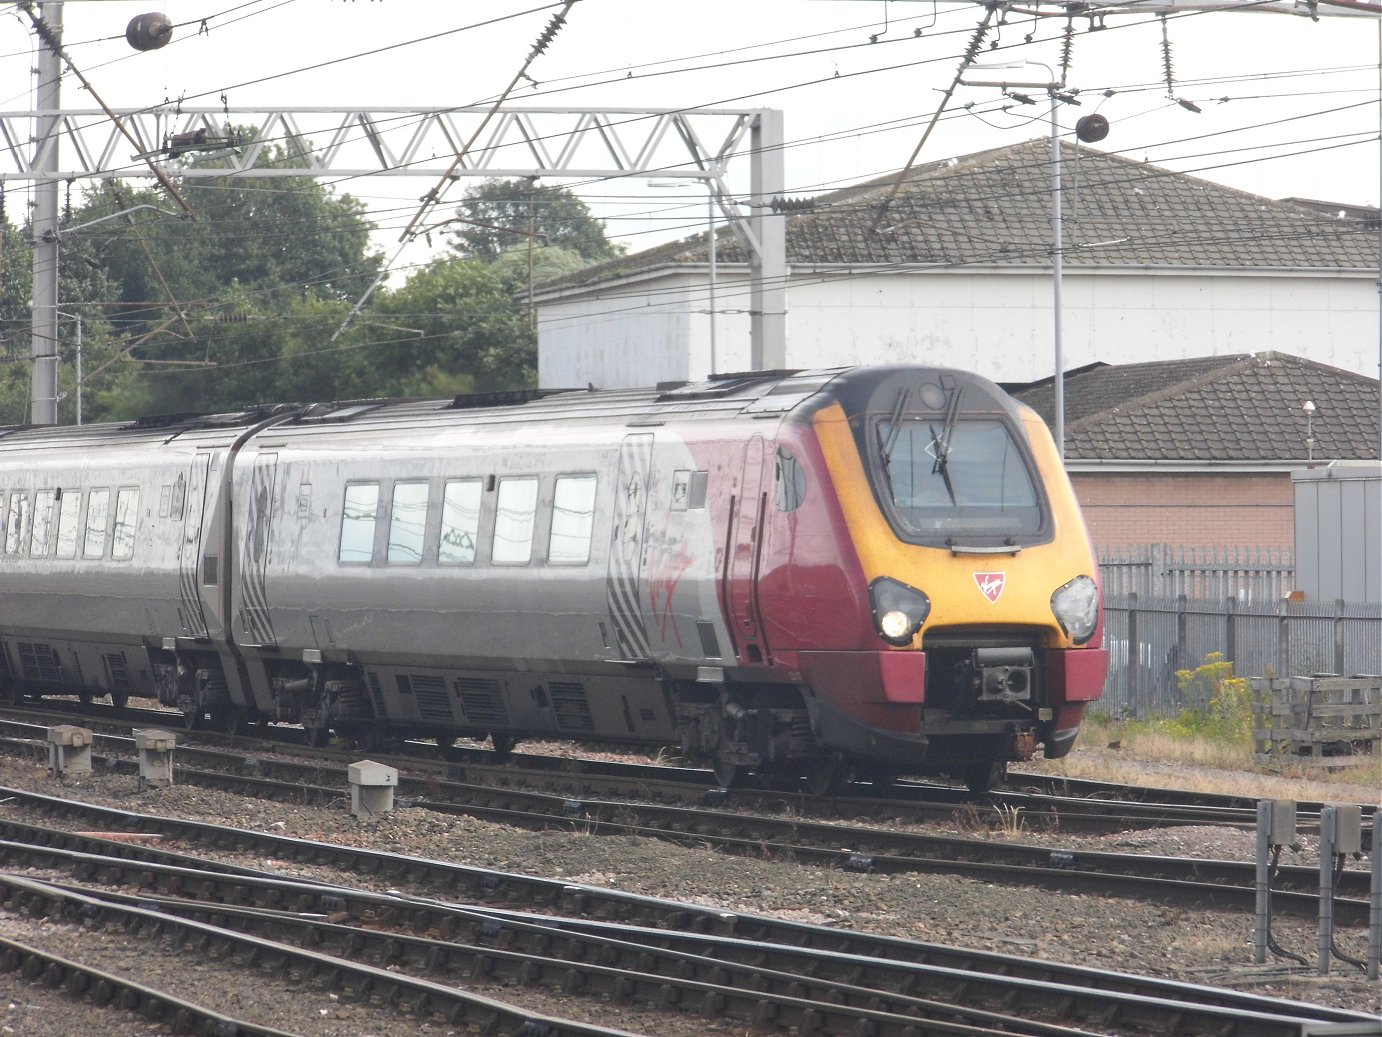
[54,147]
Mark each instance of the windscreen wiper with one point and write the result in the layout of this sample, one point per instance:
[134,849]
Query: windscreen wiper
[894,430]
[940,441]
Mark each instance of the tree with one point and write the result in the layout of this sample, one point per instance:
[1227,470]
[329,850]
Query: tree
[196,308]
[501,216]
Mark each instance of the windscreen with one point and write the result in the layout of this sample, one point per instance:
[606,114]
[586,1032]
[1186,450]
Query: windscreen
[957,476]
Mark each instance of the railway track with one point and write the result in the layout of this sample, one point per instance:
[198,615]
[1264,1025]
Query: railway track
[440,924]
[1042,802]
[788,838]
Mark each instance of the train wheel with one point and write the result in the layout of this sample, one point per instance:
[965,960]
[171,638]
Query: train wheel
[369,738]
[981,777]
[316,737]
[503,745]
[828,777]
[193,719]
[84,697]
[233,721]
[118,699]
[727,774]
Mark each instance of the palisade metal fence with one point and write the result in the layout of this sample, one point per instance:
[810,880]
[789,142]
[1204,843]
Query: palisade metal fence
[1247,572]
[1149,638]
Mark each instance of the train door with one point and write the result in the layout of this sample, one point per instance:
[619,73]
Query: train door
[623,579]
[740,582]
[189,504]
[254,553]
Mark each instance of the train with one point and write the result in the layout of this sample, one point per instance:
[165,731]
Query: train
[819,575]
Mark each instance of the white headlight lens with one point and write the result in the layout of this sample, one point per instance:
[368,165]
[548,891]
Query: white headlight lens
[895,624]
[1076,606]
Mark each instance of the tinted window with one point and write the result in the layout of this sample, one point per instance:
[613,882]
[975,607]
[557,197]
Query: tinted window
[69,510]
[407,522]
[358,515]
[460,522]
[977,483]
[16,523]
[790,479]
[515,510]
[97,515]
[43,523]
[126,515]
[573,519]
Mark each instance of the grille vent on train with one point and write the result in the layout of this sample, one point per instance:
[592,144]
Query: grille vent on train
[570,706]
[38,662]
[118,671]
[430,695]
[481,701]
[376,693]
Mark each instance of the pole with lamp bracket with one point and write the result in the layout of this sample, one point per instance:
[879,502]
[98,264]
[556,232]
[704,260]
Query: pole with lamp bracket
[1090,129]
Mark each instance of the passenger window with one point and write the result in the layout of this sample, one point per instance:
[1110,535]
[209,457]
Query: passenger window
[460,522]
[17,523]
[515,511]
[97,514]
[407,522]
[69,510]
[43,523]
[126,516]
[357,522]
[573,519]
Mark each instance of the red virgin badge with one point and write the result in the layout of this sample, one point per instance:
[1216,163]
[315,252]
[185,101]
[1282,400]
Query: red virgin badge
[991,585]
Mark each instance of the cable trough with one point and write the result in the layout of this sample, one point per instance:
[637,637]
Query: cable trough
[776,976]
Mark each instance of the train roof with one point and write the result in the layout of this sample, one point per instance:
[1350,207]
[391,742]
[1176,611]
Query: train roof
[755,394]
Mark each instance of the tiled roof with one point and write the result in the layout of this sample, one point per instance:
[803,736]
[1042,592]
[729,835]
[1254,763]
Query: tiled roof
[1245,408]
[993,208]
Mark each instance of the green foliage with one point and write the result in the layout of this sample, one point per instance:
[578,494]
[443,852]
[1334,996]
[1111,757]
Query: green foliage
[501,216]
[1218,705]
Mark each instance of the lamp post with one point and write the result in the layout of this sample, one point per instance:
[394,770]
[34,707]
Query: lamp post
[1309,407]
[1052,88]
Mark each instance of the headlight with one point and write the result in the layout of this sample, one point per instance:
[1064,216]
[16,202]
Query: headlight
[1076,606]
[898,610]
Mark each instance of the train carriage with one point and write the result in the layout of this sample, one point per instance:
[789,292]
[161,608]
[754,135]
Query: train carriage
[817,573]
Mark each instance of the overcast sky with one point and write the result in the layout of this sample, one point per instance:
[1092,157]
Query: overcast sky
[1288,106]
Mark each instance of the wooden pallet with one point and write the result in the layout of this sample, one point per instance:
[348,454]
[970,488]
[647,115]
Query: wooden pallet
[1327,719]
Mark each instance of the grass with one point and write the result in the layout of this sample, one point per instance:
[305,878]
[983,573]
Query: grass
[1175,754]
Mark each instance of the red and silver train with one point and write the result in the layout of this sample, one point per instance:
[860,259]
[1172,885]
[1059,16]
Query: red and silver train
[880,570]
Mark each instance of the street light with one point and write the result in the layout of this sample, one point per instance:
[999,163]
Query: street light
[1053,89]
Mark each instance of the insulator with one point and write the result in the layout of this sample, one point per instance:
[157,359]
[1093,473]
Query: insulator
[1067,49]
[553,27]
[149,31]
[792,204]
[1166,58]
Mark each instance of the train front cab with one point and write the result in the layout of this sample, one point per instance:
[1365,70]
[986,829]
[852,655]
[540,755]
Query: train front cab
[983,587]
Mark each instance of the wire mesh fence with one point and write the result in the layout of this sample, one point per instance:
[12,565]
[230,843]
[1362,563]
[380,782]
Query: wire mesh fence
[1150,638]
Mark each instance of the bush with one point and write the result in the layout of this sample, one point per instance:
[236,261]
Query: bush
[1218,704]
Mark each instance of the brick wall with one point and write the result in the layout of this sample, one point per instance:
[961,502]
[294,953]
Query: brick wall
[1209,510]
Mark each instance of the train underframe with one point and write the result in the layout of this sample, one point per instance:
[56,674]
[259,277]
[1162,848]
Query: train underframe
[983,708]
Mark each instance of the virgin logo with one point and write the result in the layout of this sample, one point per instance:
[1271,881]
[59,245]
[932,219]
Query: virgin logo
[991,585]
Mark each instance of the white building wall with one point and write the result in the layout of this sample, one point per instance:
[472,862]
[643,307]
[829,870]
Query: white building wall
[997,323]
